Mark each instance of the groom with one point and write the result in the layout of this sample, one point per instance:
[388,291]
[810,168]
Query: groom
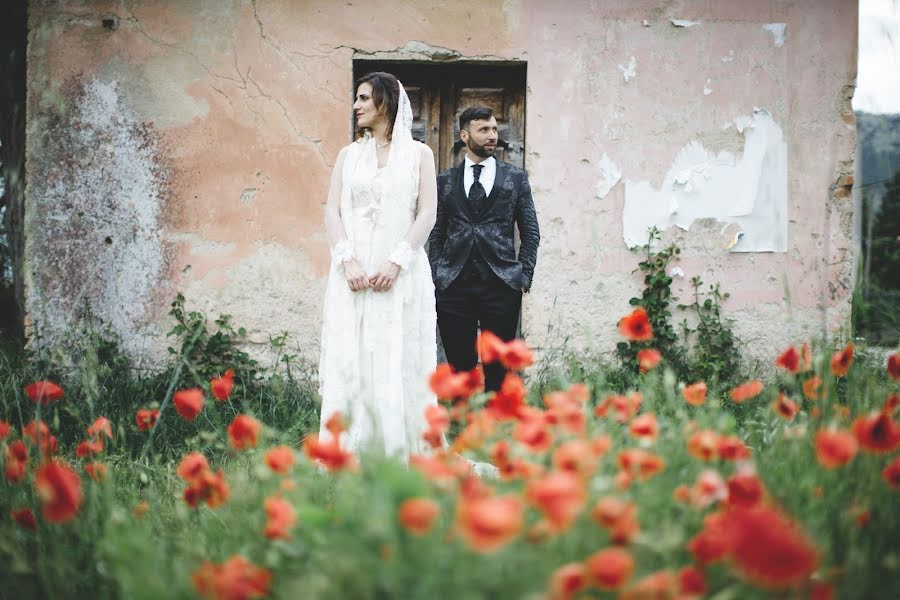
[478,278]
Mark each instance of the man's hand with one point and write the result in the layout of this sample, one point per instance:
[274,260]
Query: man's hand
[356,275]
[385,276]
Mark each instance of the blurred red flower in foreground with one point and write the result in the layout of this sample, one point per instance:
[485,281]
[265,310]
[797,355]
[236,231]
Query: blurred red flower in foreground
[59,489]
[746,391]
[33,431]
[418,515]
[891,473]
[566,581]
[695,394]
[609,569]
[731,447]
[648,359]
[328,453]
[100,425]
[192,466]
[835,448]
[703,444]
[812,388]
[4,429]
[559,495]
[98,471]
[16,455]
[280,459]
[840,361]
[745,490]
[221,387]
[877,433]
[487,523]
[789,360]
[43,392]
[636,327]
[509,400]
[514,355]
[24,518]
[280,518]
[146,418]
[784,407]
[893,366]
[89,447]
[640,463]
[644,427]
[207,487]
[188,403]
[243,432]
[447,384]
[235,579]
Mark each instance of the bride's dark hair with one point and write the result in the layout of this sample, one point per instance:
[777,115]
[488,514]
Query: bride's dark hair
[385,95]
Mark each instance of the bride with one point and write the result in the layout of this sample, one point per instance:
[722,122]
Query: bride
[378,333]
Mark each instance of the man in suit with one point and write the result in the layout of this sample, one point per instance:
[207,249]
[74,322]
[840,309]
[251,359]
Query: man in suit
[478,279]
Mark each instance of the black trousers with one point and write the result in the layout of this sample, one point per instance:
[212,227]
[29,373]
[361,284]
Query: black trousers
[472,302]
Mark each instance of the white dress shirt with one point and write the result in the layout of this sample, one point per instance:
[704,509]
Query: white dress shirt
[488,173]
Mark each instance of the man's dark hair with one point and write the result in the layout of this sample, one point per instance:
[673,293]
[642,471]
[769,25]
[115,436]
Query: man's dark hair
[474,113]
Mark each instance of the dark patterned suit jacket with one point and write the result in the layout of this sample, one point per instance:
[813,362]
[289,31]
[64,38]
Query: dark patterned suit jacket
[459,227]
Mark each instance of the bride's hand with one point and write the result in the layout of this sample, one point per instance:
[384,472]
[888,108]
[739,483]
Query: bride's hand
[356,275]
[385,276]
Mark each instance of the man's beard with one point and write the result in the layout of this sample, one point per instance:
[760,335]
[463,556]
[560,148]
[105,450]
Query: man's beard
[480,150]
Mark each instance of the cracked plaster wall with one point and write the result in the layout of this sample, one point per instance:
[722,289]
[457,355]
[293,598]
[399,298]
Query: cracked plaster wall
[231,114]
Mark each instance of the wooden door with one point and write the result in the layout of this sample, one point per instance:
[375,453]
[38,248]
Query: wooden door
[440,92]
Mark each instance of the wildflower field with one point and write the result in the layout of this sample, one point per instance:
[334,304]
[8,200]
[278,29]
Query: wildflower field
[786,487]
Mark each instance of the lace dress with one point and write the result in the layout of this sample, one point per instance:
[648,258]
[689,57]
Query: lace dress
[378,348]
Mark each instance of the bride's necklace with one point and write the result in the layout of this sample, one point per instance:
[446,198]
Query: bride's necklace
[384,145]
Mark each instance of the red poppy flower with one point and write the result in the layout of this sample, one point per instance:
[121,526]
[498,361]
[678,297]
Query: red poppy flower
[192,466]
[576,456]
[280,459]
[840,361]
[488,523]
[877,433]
[789,360]
[709,488]
[636,326]
[893,366]
[235,579]
[703,445]
[695,394]
[661,584]
[146,418]
[745,490]
[207,487]
[221,387]
[4,429]
[891,403]
[692,581]
[48,444]
[566,581]
[508,402]
[625,407]
[812,388]
[489,347]
[442,469]
[59,489]
[891,473]
[438,418]
[532,432]
[559,495]
[516,355]
[640,463]
[565,411]
[100,426]
[328,453]
[89,447]
[746,391]
[618,516]
[98,471]
[648,359]
[243,432]
[280,518]
[609,569]
[24,518]
[16,461]
[600,445]
[188,403]
[644,427]
[714,541]
[417,515]
[769,549]
[835,448]
[43,392]
[784,407]
[732,448]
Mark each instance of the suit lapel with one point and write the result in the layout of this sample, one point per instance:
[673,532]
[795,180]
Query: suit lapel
[499,179]
[459,189]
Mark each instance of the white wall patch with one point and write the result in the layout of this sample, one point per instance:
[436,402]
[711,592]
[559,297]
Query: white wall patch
[610,174]
[777,31]
[629,72]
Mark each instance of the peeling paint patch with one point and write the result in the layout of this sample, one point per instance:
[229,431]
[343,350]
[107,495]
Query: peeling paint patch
[777,31]
[706,89]
[610,174]
[95,242]
[728,57]
[750,190]
[629,72]
[683,23]
[249,195]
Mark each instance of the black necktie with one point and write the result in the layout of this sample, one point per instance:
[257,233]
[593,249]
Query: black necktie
[477,195]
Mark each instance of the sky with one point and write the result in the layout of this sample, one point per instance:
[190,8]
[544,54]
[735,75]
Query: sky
[878,71]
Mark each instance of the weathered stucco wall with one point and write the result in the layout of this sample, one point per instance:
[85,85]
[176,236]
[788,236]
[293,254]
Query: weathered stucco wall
[187,145]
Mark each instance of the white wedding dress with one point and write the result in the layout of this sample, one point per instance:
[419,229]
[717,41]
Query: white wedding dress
[379,348]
